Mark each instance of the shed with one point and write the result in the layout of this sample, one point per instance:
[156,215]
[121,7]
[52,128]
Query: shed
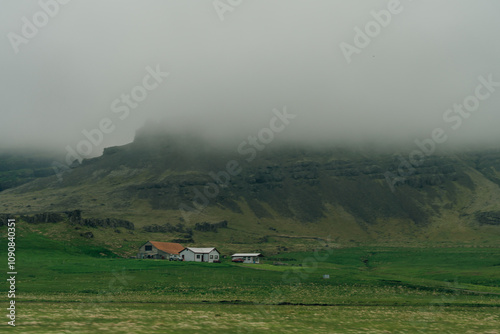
[160,250]
[200,254]
[247,257]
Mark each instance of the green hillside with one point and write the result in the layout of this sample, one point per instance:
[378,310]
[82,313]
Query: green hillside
[17,168]
[177,188]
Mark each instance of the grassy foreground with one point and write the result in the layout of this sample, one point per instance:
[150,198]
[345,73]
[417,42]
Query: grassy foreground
[79,289]
[195,318]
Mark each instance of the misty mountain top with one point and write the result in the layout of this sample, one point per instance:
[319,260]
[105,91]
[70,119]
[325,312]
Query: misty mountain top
[350,72]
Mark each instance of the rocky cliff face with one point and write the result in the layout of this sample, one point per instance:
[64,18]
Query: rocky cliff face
[74,217]
[301,188]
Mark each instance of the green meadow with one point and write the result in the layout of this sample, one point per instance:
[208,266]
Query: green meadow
[82,289]
[196,318]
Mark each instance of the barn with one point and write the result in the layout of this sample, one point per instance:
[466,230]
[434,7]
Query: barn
[160,250]
[246,257]
[200,254]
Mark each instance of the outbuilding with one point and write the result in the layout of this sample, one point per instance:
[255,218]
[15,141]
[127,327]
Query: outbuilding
[200,254]
[246,257]
[160,250]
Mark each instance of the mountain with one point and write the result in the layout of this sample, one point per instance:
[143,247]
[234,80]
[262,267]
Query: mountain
[181,187]
[17,168]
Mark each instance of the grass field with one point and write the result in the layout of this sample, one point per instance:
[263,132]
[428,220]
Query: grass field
[82,289]
[195,318]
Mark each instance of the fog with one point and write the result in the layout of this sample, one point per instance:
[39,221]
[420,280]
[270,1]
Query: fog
[88,66]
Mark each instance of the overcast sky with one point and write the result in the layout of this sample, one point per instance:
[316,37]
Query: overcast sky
[230,67]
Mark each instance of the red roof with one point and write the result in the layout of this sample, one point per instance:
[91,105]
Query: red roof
[168,247]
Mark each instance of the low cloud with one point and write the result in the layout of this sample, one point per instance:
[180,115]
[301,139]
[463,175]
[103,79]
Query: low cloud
[226,76]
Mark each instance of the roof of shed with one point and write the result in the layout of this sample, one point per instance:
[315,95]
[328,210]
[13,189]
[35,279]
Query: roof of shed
[246,254]
[168,247]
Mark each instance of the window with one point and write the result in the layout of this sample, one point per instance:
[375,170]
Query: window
[148,248]
[248,258]
[216,257]
[198,256]
[211,257]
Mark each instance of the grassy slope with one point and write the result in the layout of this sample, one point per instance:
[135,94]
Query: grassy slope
[285,197]
[362,275]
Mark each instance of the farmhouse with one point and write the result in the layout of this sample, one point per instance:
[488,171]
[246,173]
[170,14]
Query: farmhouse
[200,254]
[246,257]
[160,250]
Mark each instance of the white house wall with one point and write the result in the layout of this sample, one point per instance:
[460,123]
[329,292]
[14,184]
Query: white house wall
[213,253]
[204,257]
[188,255]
